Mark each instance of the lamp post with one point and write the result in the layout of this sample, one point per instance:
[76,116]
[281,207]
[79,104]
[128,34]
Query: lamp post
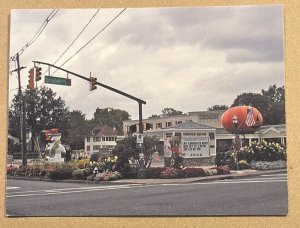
[236,143]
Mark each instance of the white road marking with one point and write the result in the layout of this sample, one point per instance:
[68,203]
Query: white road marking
[270,178]
[279,174]
[9,187]
[67,191]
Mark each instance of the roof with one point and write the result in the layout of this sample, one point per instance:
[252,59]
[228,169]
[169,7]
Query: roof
[106,131]
[189,125]
[262,129]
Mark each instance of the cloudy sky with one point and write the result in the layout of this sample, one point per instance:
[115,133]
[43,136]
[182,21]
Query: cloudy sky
[184,58]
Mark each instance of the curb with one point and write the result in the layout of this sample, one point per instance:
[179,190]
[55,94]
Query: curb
[233,175]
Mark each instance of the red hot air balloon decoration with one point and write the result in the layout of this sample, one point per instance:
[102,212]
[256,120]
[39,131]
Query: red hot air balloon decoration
[249,120]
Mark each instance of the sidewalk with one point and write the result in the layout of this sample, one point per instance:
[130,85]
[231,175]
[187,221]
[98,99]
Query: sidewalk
[233,175]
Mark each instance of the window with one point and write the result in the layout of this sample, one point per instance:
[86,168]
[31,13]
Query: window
[96,147]
[168,124]
[88,148]
[178,122]
[159,125]
[88,139]
[103,138]
[94,139]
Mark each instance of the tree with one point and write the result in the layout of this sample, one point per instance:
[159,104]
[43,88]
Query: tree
[253,99]
[276,104]
[274,94]
[127,150]
[110,117]
[170,112]
[78,128]
[271,103]
[217,107]
[43,111]
[153,116]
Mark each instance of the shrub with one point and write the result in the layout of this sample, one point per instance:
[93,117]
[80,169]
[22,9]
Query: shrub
[95,157]
[243,164]
[210,172]
[61,174]
[108,176]
[170,172]
[81,164]
[263,151]
[81,174]
[154,172]
[223,169]
[263,165]
[193,172]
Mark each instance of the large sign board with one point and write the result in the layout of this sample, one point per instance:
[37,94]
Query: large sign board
[57,80]
[193,147]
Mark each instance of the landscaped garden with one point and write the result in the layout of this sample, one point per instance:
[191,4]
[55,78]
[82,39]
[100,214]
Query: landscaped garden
[259,156]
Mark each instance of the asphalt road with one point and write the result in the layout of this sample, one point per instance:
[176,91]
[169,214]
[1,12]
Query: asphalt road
[263,195]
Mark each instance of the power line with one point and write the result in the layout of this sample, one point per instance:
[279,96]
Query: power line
[38,33]
[92,38]
[77,37]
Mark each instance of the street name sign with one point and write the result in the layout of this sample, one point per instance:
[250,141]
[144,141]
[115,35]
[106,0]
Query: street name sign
[57,80]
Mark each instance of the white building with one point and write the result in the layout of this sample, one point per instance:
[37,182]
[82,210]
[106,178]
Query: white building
[102,139]
[158,125]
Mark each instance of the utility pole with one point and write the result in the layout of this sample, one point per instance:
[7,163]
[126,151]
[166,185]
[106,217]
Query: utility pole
[22,117]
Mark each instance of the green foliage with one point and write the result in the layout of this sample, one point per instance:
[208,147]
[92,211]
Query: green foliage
[264,151]
[193,172]
[170,112]
[81,174]
[126,150]
[61,174]
[95,156]
[271,103]
[217,107]
[274,94]
[78,129]
[43,111]
[110,117]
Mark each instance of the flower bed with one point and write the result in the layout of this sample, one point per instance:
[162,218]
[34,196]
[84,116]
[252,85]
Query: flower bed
[171,172]
[262,165]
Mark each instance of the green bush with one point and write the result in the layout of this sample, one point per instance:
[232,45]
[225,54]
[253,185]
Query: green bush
[263,151]
[81,174]
[193,172]
[61,174]
[95,157]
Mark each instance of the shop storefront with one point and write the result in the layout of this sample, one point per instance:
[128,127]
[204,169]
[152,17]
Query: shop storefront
[194,142]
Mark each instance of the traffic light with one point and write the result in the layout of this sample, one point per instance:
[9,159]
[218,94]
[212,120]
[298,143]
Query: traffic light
[38,73]
[31,79]
[93,83]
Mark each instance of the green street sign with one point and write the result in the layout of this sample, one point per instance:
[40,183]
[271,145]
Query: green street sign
[57,80]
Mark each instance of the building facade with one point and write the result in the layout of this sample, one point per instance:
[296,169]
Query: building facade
[158,127]
[102,139]
[196,143]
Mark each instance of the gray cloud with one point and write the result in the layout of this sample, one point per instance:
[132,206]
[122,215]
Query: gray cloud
[185,58]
